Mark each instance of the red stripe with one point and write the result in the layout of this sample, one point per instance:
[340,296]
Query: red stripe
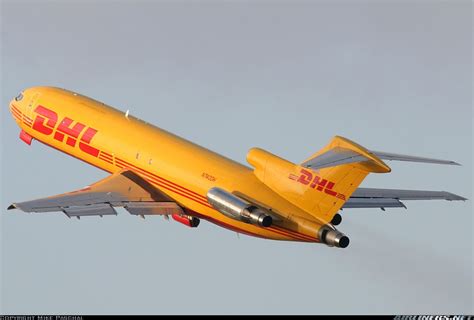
[223,224]
[216,221]
[102,157]
[164,182]
[285,232]
[233,228]
[151,179]
[105,160]
[171,184]
[180,192]
[279,231]
[230,227]
[105,155]
[46,143]
[288,233]
[161,178]
[16,109]
[16,113]
[294,234]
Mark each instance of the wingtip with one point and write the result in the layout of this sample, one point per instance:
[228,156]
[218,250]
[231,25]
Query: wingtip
[12,206]
[455,197]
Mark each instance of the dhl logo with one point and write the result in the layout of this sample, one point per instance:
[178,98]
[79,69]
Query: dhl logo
[46,120]
[316,182]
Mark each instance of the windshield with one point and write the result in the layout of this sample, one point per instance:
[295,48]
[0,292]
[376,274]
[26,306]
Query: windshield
[19,97]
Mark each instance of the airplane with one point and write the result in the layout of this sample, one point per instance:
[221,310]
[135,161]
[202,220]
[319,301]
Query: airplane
[154,172]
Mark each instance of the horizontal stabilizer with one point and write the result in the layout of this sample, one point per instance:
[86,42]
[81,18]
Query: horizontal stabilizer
[339,155]
[405,194]
[402,157]
[390,198]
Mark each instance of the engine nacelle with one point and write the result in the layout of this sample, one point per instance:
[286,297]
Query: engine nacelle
[237,208]
[336,220]
[333,238]
[189,221]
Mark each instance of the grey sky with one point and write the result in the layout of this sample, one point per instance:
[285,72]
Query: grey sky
[283,76]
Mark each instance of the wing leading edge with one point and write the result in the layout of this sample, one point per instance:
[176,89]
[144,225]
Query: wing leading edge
[122,189]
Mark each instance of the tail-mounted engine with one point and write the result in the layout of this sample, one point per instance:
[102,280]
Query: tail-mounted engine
[333,237]
[237,208]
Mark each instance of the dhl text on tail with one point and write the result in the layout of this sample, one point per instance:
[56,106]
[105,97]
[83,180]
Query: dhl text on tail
[153,172]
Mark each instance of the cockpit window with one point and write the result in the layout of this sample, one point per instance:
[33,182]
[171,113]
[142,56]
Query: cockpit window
[19,97]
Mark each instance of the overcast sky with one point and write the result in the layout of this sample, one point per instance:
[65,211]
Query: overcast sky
[284,76]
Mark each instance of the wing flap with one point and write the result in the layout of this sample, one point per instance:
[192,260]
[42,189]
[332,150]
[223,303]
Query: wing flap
[100,209]
[153,208]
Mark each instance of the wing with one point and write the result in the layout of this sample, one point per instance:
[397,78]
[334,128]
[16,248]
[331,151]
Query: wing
[122,189]
[390,198]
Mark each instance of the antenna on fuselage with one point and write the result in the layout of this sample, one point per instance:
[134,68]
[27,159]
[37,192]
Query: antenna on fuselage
[126,113]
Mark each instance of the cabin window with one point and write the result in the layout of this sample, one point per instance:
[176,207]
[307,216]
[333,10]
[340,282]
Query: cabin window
[150,161]
[138,155]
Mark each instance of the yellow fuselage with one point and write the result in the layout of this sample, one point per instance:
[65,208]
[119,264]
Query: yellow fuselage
[112,140]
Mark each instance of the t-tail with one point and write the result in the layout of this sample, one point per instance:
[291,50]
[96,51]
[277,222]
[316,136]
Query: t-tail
[322,184]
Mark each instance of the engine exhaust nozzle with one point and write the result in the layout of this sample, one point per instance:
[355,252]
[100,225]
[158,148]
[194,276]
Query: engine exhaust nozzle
[333,238]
